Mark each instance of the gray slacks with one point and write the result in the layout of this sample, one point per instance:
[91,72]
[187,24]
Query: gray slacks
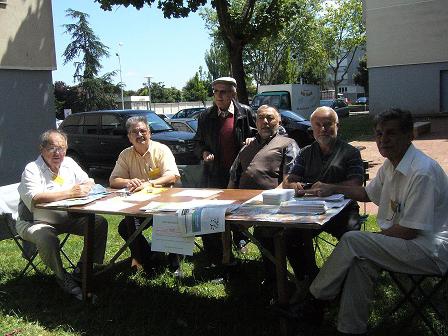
[356,263]
[45,236]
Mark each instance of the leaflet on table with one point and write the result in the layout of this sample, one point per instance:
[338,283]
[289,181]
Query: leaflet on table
[201,220]
[167,236]
[174,206]
[75,201]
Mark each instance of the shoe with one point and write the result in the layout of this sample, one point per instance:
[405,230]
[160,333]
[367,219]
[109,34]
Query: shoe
[69,286]
[310,312]
[242,246]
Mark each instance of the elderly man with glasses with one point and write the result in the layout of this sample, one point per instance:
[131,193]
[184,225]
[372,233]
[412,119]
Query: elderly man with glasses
[145,164]
[53,177]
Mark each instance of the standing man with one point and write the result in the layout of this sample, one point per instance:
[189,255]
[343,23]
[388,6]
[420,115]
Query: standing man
[145,164]
[329,160]
[222,130]
[411,192]
[53,177]
[263,164]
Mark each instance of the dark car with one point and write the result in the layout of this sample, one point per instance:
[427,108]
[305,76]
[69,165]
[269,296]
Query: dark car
[96,138]
[297,127]
[338,105]
[189,113]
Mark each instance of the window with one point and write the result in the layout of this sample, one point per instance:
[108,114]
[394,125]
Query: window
[73,124]
[91,124]
[109,123]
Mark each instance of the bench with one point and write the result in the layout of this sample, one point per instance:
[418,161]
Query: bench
[421,127]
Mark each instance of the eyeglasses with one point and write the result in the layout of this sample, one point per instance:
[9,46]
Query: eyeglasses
[54,149]
[220,92]
[139,131]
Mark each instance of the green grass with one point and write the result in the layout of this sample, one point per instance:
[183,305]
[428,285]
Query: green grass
[358,128]
[130,304]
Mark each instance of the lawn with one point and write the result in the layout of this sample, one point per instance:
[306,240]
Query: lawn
[131,304]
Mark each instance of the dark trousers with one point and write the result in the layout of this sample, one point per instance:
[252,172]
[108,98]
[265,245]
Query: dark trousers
[140,247]
[299,242]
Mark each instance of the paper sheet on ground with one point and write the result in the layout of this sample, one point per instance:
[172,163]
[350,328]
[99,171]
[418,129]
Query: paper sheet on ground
[201,220]
[197,193]
[167,236]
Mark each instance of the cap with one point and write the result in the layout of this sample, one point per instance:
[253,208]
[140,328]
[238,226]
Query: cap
[225,80]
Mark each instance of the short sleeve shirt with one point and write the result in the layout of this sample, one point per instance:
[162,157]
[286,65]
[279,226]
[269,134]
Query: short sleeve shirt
[344,163]
[414,195]
[156,162]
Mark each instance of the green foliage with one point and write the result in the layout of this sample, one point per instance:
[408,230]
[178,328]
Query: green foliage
[358,128]
[197,88]
[85,44]
[342,33]
[362,77]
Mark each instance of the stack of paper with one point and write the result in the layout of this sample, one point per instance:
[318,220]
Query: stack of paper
[277,196]
[303,207]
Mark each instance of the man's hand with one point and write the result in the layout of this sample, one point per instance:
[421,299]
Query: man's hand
[207,156]
[135,184]
[248,141]
[321,189]
[80,190]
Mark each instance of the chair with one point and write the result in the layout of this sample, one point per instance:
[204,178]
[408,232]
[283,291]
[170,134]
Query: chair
[418,293]
[9,200]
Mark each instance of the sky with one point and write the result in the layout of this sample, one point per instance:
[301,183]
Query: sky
[168,50]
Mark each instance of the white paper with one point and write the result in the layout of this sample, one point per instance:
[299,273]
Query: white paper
[167,237]
[197,193]
[115,203]
[174,206]
[139,197]
[74,201]
[201,220]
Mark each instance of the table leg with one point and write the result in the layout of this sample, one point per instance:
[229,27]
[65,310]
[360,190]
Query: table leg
[281,272]
[227,245]
[89,233]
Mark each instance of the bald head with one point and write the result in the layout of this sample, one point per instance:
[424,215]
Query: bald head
[324,122]
[325,111]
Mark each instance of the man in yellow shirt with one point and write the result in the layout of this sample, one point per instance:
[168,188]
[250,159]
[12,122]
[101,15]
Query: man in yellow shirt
[146,163]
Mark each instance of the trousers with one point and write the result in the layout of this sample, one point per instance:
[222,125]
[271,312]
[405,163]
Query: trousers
[354,266]
[45,237]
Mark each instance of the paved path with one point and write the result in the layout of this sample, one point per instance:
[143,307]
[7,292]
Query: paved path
[434,144]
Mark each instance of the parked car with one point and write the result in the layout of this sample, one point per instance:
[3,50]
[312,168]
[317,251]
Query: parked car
[338,105]
[189,113]
[362,100]
[96,138]
[184,124]
[297,127]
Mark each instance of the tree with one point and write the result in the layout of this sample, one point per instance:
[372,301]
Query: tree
[196,88]
[85,44]
[93,92]
[362,77]
[342,33]
[240,22]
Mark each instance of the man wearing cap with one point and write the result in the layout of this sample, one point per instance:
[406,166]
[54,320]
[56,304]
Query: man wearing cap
[222,130]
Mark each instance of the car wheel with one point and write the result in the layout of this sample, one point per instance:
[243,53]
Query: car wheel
[75,156]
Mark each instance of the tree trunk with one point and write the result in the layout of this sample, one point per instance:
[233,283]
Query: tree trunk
[237,68]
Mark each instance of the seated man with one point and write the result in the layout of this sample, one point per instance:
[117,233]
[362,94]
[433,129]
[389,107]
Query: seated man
[411,192]
[329,160]
[54,177]
[146,163]
[263,164]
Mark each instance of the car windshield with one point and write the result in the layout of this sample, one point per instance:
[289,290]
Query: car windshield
[156,123]
[193,124]
[292,115]
[326,103]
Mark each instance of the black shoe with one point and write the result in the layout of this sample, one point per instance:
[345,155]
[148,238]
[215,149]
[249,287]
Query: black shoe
[309,312]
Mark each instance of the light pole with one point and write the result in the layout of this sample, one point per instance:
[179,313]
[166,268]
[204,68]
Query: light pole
[121,82]
[149,90]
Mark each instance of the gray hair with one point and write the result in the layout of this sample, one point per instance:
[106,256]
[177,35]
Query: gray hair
[266,107]
[325,109]
[45,136]
[135,120]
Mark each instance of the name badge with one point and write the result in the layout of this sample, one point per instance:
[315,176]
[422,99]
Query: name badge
[154,173]
[58,179]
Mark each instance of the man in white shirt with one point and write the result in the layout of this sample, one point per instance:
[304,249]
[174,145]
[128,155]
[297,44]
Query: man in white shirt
[54,177]
[410,190]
